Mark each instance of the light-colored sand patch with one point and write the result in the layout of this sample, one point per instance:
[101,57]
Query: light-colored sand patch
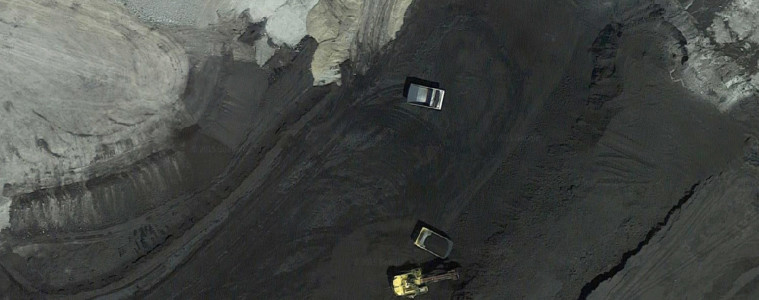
[81,82]
[263,51]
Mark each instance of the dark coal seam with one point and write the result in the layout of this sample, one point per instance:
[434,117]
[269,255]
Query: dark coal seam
[591,286]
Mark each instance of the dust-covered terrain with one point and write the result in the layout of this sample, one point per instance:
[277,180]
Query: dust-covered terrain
[262,149]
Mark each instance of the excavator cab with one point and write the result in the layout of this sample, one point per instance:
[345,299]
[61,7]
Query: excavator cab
[409,284]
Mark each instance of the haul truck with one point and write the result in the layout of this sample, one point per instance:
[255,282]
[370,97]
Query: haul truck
[425,96]
[413,283]
[434,243]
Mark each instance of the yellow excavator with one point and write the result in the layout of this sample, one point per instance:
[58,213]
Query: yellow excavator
[412,283]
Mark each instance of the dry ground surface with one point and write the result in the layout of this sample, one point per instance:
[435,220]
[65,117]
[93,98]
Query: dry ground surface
[567,163]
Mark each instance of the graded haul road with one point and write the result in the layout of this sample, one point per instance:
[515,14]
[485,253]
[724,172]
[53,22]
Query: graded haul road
[585,149]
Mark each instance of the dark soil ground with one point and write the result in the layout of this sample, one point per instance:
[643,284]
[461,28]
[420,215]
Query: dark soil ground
[563,147]
[561,144]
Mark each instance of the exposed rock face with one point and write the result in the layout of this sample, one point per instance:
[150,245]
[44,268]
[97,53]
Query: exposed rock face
[343,26]
[722,62]
[285,21]
[334,24]
[79,92]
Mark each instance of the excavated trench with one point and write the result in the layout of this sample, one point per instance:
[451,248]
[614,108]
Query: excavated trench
[591,286]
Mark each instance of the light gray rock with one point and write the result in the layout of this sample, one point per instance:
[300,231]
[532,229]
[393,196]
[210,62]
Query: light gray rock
[82,84]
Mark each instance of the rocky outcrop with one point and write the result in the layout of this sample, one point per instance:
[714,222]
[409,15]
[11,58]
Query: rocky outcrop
[722,61]
[347,29]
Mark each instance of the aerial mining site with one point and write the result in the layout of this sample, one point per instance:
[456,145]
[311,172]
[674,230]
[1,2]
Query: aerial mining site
[379,149]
